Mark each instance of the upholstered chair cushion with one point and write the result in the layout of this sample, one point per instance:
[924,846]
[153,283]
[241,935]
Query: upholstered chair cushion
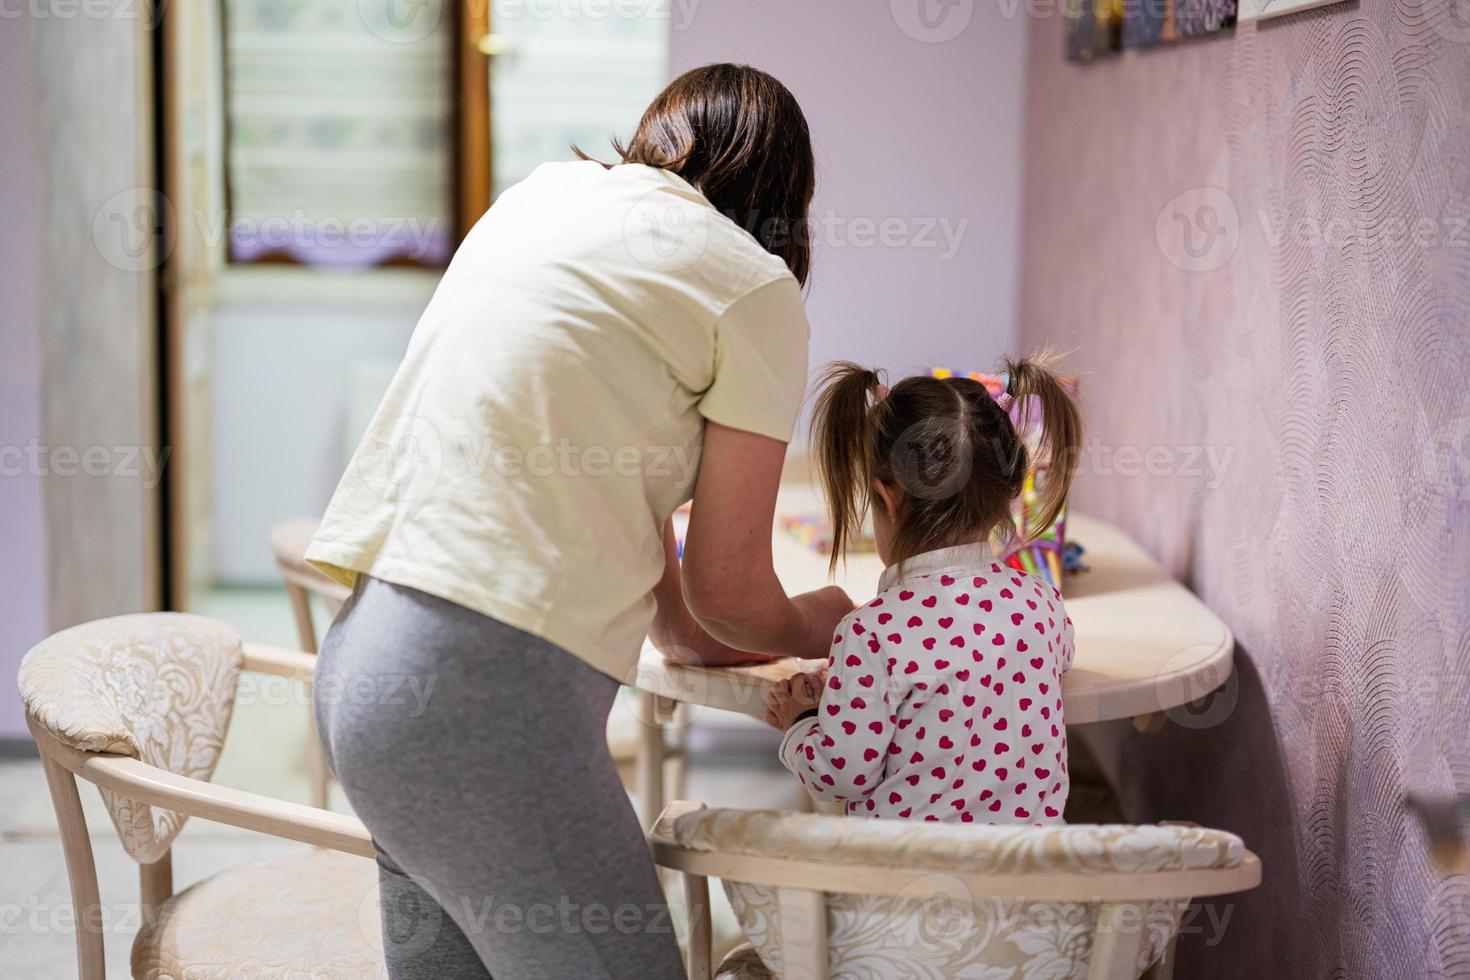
[743,963]
[936,928]
[309,915]
[159,687]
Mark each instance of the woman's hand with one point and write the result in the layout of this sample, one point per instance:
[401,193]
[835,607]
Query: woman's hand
[707,653]
[787,700]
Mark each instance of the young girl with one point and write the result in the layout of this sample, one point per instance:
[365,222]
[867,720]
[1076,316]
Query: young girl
[942,698]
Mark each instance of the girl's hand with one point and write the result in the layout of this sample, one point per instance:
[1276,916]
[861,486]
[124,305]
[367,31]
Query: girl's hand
[789,699]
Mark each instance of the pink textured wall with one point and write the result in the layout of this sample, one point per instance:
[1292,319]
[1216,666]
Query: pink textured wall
[918,132]
[1315,335]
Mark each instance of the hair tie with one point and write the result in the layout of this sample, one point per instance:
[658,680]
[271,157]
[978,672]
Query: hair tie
[1005,381]
[882,392]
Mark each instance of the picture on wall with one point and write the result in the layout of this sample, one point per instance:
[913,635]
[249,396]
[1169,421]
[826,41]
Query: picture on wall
[1150,22]
[1094,28]
[1194,18]
[1267,9]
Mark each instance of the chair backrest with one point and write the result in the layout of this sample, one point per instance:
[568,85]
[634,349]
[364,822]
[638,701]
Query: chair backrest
[289,541]
[159,687]
[897,898]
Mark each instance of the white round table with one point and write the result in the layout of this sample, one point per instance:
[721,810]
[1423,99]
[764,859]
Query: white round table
[1145,643]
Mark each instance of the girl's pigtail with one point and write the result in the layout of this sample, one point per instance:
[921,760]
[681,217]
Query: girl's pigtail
[1033,386]
[842,431]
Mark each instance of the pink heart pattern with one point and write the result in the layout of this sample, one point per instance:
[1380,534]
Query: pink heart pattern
[901,679]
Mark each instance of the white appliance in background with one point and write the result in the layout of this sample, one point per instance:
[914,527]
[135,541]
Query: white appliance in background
[559,81]
[367,382]
[287,380]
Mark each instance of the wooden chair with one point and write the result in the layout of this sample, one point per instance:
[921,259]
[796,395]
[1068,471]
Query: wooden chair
[140,705]
[646,742]
[822,896]
[288,541]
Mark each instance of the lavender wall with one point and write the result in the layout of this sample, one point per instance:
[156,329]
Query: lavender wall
[23,554]
[910,125]
[1312,332]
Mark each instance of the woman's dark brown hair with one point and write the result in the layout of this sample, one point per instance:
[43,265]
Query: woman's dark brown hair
[949,448]
[739,136]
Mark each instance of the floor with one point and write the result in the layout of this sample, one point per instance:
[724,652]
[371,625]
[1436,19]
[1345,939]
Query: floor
[732,763]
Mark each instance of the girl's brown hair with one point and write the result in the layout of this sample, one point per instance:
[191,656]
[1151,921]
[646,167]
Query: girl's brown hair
[951,450]
[737,135]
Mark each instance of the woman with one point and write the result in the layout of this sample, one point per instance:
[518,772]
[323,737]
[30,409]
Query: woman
[606,342]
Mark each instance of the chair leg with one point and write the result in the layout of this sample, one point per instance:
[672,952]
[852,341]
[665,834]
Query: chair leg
[156,884]
[1117,942]
[301,610]
[81,871]
[317,772]
[1163,968]
[651,749]
[676,769]
[804,954]
[701,929]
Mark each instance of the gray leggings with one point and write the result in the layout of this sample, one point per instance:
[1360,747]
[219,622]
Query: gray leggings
[476,754]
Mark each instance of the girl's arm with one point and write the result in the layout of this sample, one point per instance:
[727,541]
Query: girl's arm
[840,753]
[728,605]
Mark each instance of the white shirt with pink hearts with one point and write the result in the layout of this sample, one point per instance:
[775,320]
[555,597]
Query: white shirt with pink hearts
[943,697]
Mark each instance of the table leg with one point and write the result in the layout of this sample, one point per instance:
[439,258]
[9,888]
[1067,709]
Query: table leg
[1151,723]
[676,757]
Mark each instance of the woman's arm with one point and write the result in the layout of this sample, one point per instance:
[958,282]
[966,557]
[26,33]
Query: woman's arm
[726,605]
[675,631]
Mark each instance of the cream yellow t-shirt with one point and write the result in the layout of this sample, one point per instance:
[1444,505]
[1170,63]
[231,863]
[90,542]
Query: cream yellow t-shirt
[548,415]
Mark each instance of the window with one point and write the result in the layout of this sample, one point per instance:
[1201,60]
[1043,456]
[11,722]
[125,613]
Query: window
[339,134]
